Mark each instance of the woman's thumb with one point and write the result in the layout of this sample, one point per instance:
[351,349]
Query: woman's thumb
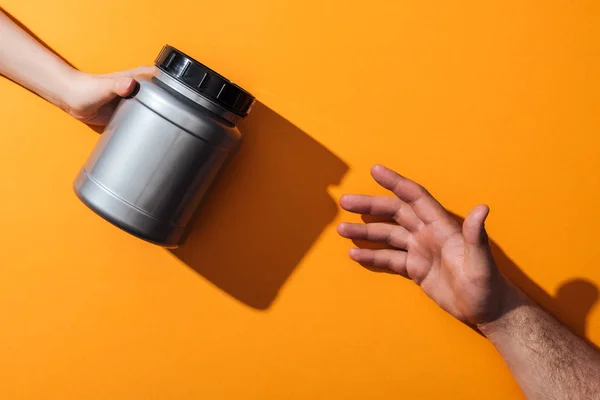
[106,89]
[123,86]
[123,83]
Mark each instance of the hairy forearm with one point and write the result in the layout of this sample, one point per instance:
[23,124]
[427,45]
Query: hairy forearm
[547,359]
[27,62]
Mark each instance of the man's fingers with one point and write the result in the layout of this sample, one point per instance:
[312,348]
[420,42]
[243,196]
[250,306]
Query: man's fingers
[143,70]
[427,208]
[380,232]
[393,260]
[382,206]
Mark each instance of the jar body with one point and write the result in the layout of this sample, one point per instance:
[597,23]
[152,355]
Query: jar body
[154,163]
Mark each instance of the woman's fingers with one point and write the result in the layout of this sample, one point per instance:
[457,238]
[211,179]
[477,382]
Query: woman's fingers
[393,260]
[424,205]
[382,206]
[380,232]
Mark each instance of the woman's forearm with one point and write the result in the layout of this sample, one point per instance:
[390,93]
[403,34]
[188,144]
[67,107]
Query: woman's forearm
[546,358]
[27,62]
[87,97]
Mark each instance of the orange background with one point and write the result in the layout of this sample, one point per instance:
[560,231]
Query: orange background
[481,101]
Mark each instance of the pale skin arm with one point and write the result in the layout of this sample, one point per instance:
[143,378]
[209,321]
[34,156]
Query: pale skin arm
[454,266]
[87,97]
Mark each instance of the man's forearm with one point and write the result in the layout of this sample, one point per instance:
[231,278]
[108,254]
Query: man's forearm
[547,359]
[29,63]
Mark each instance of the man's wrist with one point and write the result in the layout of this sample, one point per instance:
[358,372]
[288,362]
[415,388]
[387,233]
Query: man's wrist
[513,303]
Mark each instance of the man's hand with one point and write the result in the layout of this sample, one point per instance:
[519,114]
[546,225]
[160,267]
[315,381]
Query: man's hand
[452,264]
[93,98]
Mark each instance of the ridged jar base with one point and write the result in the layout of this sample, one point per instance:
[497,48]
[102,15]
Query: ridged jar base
[124,215]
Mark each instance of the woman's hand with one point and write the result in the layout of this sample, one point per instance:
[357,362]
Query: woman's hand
[93,98]
[89,98]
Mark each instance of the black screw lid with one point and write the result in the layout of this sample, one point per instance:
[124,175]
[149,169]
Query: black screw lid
[204,81]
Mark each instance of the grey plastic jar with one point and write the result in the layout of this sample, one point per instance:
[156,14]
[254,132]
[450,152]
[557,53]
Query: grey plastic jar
[162,149]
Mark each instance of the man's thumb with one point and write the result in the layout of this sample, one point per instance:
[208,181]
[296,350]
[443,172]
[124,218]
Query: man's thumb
[474,227]
[478,257]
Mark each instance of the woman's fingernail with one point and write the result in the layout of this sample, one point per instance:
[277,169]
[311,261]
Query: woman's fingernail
[353,253]
[124,84]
